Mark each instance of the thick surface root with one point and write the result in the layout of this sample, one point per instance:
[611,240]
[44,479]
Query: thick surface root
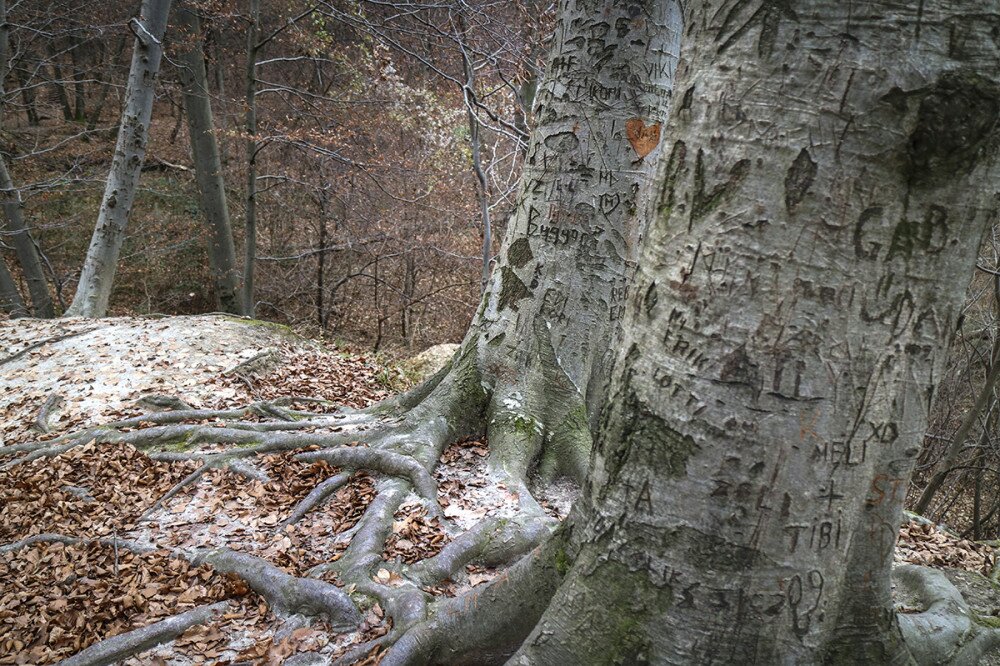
[946,631]
[116,648]
[285,593]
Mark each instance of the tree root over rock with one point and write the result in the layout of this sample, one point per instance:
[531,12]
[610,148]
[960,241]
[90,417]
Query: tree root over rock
[946,631]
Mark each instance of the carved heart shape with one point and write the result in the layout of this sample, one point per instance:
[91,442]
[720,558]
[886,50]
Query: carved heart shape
[642,137]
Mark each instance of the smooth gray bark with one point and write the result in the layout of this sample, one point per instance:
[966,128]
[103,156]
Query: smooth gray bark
[24,245]
[10,297]
[94,289]
[831,170]
[10,199]
[208,166]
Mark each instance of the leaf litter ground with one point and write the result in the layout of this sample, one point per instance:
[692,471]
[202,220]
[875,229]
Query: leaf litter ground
[59,598]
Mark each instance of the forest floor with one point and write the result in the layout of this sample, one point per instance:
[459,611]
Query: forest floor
[57,598]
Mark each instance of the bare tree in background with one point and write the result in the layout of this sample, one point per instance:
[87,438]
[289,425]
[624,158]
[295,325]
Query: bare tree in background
[208,165]
[17,228]
[94,289]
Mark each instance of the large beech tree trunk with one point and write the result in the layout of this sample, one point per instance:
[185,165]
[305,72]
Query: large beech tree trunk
[534,368]
[208,167]
[536,360]
[831,170]
[94,290]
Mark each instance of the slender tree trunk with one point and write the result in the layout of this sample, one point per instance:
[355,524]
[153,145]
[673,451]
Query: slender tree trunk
[24,245]
[979,462]
[79,76]
[58,83]
[957,447]
[10,297]
[409,289]
[27,92]
[250,246]
[218,74]
[94,289]
[208,167]
[832,169]
[113,59]
[482,191]
[10,199]
[321,264]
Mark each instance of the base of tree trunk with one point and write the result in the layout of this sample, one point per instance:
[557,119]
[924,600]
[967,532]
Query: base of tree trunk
[401,441]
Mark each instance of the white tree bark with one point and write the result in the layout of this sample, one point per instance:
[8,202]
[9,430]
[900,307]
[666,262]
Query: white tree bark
[208,166]
[832,167]
[94,289]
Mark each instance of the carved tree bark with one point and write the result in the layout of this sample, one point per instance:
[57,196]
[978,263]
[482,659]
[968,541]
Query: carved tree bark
[208,167]
[832,169]
[94,290]
[534,366]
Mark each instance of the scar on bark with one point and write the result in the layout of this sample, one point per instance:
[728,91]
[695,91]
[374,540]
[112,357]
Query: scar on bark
[799,179]
[957,117]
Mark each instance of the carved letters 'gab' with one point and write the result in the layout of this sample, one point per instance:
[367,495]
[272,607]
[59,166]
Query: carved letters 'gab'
[642,137]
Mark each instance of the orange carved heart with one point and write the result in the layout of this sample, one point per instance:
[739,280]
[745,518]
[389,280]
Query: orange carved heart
[642,137]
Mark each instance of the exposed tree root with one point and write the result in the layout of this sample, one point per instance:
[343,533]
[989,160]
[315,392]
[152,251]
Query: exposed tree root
[283,592]
[387,462]
[947,631]
[48,341]
[316,497]
[72,541]
[122,646]
[487,624]
[403,442]
[45,413]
